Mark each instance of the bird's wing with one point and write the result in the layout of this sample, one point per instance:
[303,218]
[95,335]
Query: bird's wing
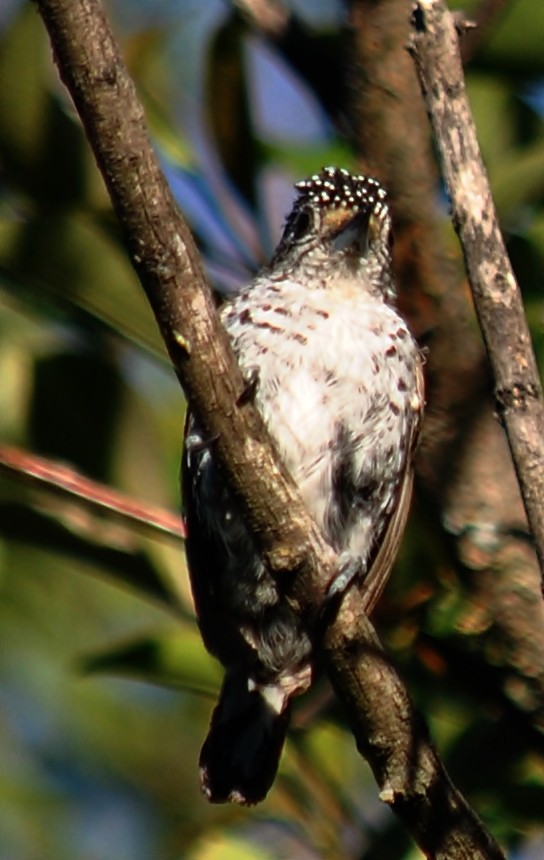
[380,568]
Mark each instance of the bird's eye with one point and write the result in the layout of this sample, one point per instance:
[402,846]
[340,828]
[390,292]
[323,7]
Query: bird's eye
[300,225]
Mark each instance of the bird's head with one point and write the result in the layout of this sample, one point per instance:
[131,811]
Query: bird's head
[339,227]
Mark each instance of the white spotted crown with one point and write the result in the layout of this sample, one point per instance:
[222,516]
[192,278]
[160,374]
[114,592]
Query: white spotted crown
[336,187]
[338,215]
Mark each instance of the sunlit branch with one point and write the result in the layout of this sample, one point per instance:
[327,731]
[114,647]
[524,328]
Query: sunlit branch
[498,302]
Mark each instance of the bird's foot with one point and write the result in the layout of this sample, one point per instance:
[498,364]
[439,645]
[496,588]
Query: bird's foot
[251,383]
[349,570]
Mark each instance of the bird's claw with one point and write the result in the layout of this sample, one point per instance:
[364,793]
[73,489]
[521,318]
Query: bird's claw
[349,570]
[251,383]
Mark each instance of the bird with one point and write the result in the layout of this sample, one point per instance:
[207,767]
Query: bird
[338,379]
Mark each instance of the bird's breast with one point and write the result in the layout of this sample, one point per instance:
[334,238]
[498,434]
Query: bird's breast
[327,364]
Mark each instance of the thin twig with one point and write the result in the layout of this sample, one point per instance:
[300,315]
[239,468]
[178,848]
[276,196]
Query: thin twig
[67,482]
[497,298]
[484,19]
[409,773]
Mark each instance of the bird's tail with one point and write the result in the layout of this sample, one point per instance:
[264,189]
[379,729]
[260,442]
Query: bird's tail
[241,753]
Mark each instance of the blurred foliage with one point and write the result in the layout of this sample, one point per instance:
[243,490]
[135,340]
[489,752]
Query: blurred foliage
[97,764]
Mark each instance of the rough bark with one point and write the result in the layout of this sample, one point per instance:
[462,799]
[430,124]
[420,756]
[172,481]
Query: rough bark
[497,299]
[391,136]
[465,476]
[165,258]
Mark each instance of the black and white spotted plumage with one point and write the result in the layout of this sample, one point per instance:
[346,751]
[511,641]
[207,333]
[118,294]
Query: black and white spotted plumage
[339,384]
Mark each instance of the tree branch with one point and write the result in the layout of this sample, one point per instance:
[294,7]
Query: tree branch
[165,257]
[65,481]
[464,468]
[497,299]
[410,775]
[393,142]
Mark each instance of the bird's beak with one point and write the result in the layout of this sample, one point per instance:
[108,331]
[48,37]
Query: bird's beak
[355,232]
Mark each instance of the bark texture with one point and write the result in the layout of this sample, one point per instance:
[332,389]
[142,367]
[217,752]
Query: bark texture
[497,299]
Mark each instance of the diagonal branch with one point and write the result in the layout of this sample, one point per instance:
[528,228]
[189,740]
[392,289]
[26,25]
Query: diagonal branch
[66,481]
[410,775]
[165,257]
[497,298]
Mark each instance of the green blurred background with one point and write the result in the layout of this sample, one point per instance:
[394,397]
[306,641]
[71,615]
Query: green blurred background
[105,690]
